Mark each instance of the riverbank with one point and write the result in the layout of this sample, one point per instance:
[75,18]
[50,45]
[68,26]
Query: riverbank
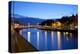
[18,44]
[61,30]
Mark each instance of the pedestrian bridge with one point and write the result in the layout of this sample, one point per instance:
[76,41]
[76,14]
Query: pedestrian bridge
[19,27]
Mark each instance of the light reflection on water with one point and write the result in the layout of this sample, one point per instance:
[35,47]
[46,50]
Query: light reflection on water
[52,39]
[29,34]
[49,40]
[45,39]
[38,40]
[59,39]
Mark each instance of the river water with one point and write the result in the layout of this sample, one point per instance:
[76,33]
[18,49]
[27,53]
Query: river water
[50,40]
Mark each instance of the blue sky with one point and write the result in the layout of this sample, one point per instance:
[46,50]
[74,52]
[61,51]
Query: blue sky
[44,10]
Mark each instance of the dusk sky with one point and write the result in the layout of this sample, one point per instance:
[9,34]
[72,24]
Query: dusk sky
[44,10]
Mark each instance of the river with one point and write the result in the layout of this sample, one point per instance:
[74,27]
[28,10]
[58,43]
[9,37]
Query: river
[50,40]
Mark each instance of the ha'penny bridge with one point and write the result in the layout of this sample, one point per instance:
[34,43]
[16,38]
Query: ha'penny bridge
[18,27]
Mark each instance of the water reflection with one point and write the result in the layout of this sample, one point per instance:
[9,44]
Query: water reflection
[29,36]
[59,39]
[67,35]
[71,35]
[45,39]
[50,40]
[52,34]
[38,40]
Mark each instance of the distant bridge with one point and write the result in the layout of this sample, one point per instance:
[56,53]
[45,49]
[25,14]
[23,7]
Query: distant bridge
[18,27]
